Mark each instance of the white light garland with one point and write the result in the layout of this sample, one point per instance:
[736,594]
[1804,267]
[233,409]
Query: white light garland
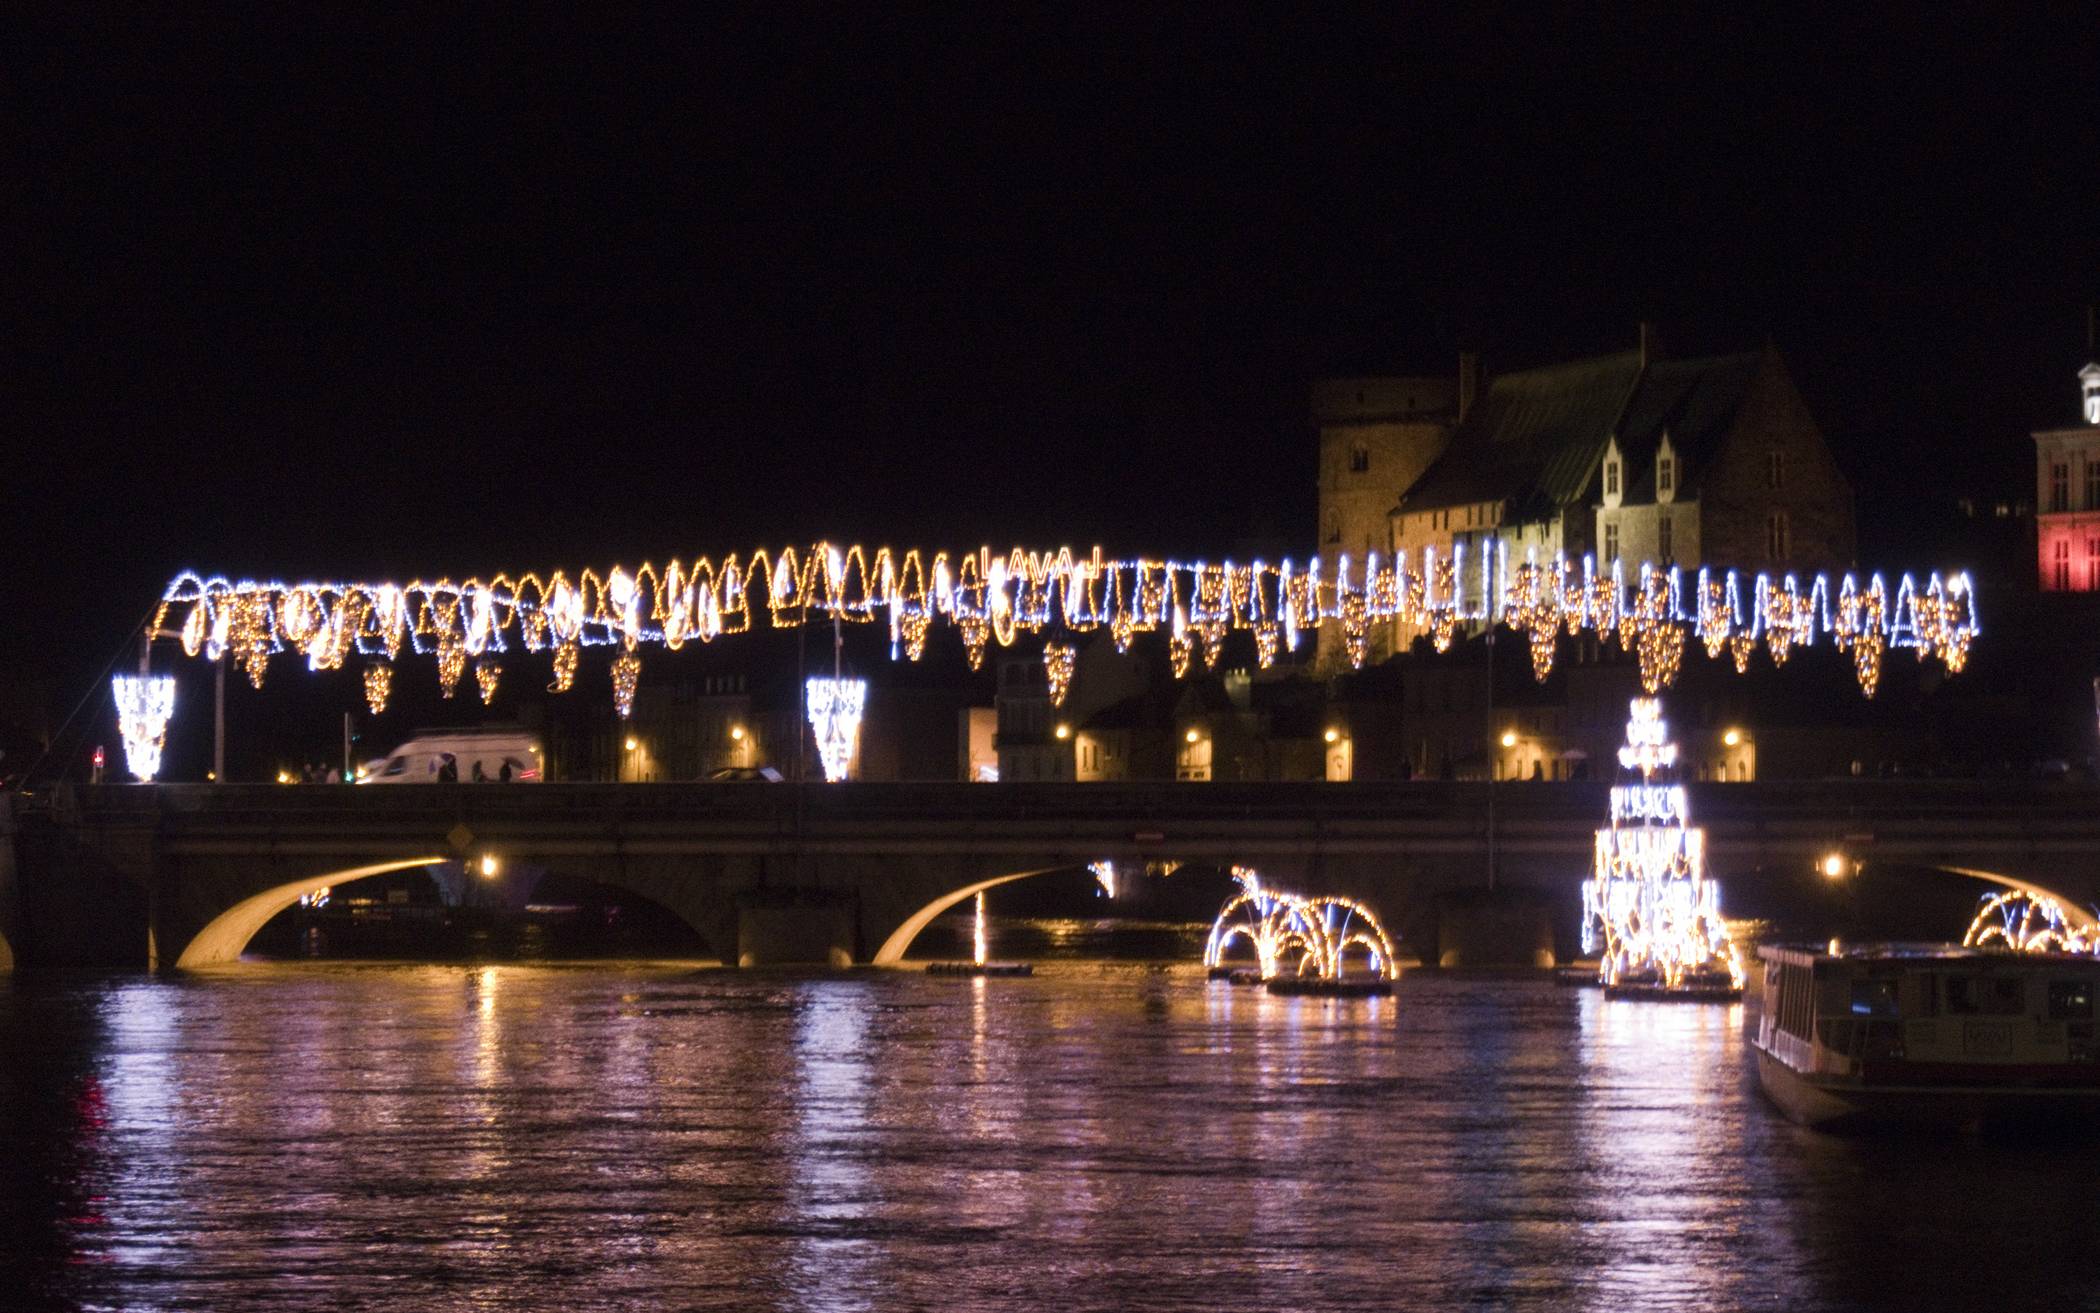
[144,703]
[988,597]
[1648,908]
[835,707]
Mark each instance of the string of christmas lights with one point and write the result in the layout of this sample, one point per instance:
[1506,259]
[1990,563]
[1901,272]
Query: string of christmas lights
[1648,908]
[989,598]
[1312,935]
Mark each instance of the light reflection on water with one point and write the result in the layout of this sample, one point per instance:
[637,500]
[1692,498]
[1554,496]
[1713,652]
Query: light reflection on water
[1102,1136]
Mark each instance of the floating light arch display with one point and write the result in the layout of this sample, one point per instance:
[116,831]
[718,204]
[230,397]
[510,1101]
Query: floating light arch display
[2029,922]
[988,598]
[1649,909]
[1312,935]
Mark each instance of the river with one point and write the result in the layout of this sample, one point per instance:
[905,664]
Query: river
[1105,1135]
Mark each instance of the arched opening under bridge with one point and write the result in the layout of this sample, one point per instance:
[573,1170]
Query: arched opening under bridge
[7,955]
[226,936]
[893,948]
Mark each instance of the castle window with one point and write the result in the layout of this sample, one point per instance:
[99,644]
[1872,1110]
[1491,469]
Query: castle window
[2063,565]
[2092,565]
[1611,478]
[2060,485]
[1665,475]
[1663,546]
[2092,484]
[1334,526]
[1611,542]
[1775,470]
[1776,543]
[1359,460]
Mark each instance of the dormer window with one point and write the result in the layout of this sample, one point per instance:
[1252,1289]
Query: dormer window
[1611,478]
[2089,383]
[1359,460]
[1665,476]
[1775,470]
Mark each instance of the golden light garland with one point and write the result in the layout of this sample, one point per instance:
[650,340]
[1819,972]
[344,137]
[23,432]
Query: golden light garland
[1058,661]
[626,673]
[379,681]
[991,598]
[486,674]
[452,663]
[565,658]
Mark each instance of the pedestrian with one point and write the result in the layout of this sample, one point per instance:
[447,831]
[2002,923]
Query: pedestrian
[448,770]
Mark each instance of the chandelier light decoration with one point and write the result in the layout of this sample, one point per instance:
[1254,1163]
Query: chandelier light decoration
[1001,598]
[1648,908]
[2027,921]
[1297,936]
[1058,660]
[835,707]
[379,681]
[144,703]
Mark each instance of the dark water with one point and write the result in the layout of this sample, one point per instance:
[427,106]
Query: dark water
[1103,1136]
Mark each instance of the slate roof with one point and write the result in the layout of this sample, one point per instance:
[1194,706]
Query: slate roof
[1695,401]
[1537,438]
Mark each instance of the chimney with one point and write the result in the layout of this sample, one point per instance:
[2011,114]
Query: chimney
[1651,344]
[1468,381]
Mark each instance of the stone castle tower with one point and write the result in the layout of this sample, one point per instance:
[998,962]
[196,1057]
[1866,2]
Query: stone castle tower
[1378,436]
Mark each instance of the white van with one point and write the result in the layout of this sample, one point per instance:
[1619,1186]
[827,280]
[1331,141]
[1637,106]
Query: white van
[488,756]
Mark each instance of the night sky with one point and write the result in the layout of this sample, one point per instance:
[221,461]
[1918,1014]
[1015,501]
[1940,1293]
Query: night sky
[358,296]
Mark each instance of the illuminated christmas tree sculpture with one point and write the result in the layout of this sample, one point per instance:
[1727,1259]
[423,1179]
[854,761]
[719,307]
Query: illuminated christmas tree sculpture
[1648,910]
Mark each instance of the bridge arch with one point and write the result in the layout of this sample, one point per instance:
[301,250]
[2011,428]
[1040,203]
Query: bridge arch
[225,937]
[2078,913]
[892,950]
[7,954]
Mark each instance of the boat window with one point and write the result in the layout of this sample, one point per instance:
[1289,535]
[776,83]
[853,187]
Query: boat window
[2008,997]
[1960,999]
[395,766]
[1874,998]
[2070,999]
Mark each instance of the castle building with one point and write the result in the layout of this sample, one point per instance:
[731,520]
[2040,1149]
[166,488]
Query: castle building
[2067,497]
[1632,457]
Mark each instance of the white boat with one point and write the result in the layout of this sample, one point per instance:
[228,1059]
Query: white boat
[1929,1034]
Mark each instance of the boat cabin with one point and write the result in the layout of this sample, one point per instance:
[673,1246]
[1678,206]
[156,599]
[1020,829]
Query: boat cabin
[1929,1012]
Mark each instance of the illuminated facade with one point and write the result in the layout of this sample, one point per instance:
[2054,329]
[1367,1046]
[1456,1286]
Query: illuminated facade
[2067,497]
[1630,458]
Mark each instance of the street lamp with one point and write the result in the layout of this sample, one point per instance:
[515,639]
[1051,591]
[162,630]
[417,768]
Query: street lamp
[1509,738]
[1833,866]
[1332,735]
[1732,736]
[1064,731]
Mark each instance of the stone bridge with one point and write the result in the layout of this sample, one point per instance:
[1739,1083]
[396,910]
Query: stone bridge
[184,875]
